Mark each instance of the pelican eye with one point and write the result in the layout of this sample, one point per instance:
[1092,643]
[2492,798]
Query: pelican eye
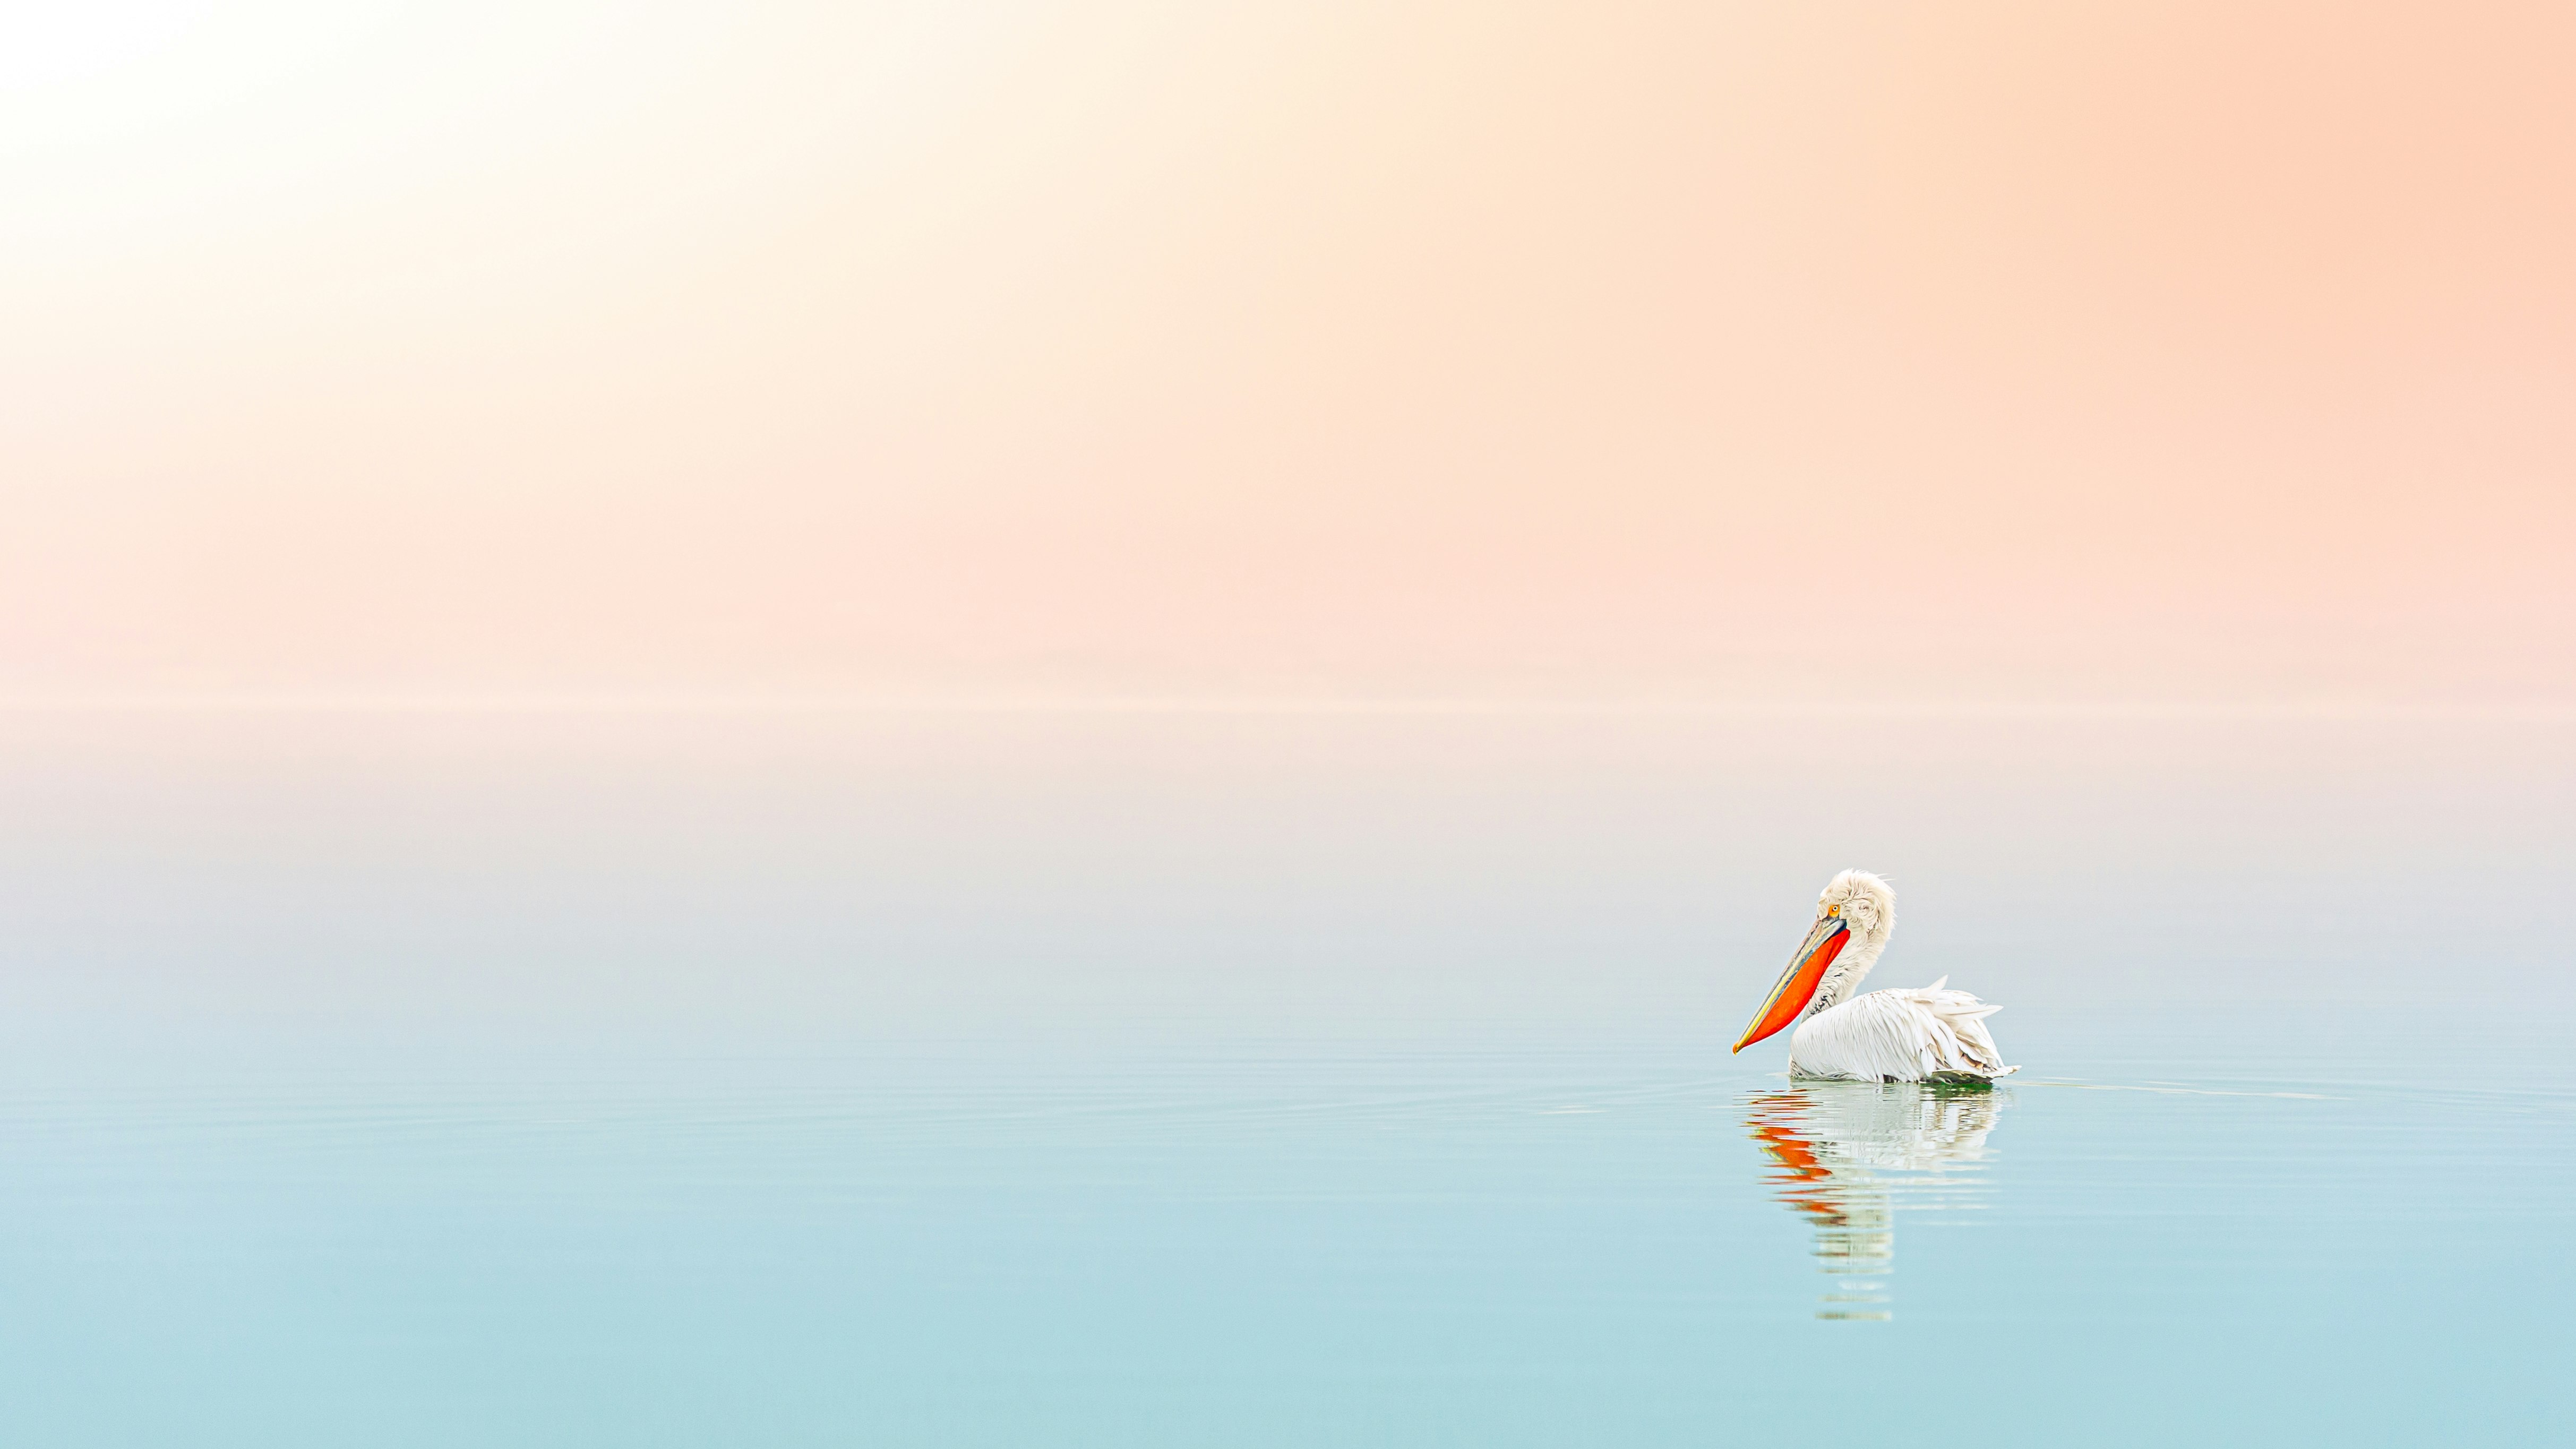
[1833,910]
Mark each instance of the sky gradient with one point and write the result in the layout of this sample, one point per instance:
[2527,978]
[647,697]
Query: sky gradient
[1984,352]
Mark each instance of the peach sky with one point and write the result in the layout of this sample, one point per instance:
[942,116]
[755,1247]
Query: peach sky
[2025,351]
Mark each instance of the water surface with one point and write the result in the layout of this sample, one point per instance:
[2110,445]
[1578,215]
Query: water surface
[1271,1082]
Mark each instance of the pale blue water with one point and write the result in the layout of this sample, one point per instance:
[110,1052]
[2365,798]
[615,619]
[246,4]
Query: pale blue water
[1272,1082]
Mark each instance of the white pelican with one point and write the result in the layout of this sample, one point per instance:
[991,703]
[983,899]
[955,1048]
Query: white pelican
[1925,1034]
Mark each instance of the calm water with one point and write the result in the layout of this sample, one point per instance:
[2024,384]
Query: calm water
[1272,1081]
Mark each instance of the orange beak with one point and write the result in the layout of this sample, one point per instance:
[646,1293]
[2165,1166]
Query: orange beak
[1797,985]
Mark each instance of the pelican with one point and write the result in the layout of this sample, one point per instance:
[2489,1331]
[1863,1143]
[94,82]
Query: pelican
[1924,1034]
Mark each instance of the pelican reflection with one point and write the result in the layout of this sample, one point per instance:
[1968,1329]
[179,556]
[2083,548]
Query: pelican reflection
[1846,1155]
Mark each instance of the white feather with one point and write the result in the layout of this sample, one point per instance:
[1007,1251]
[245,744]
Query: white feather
[1919,1034]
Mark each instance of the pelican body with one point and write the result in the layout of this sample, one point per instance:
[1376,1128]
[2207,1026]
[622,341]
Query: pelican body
[1918,1034]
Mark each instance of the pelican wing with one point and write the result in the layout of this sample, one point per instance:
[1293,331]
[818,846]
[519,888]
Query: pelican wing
[1918,1034]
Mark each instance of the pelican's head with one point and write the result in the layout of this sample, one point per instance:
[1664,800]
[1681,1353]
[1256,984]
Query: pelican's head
[1853,918]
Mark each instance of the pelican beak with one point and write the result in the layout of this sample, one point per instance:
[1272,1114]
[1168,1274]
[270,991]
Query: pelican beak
[1797,984]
